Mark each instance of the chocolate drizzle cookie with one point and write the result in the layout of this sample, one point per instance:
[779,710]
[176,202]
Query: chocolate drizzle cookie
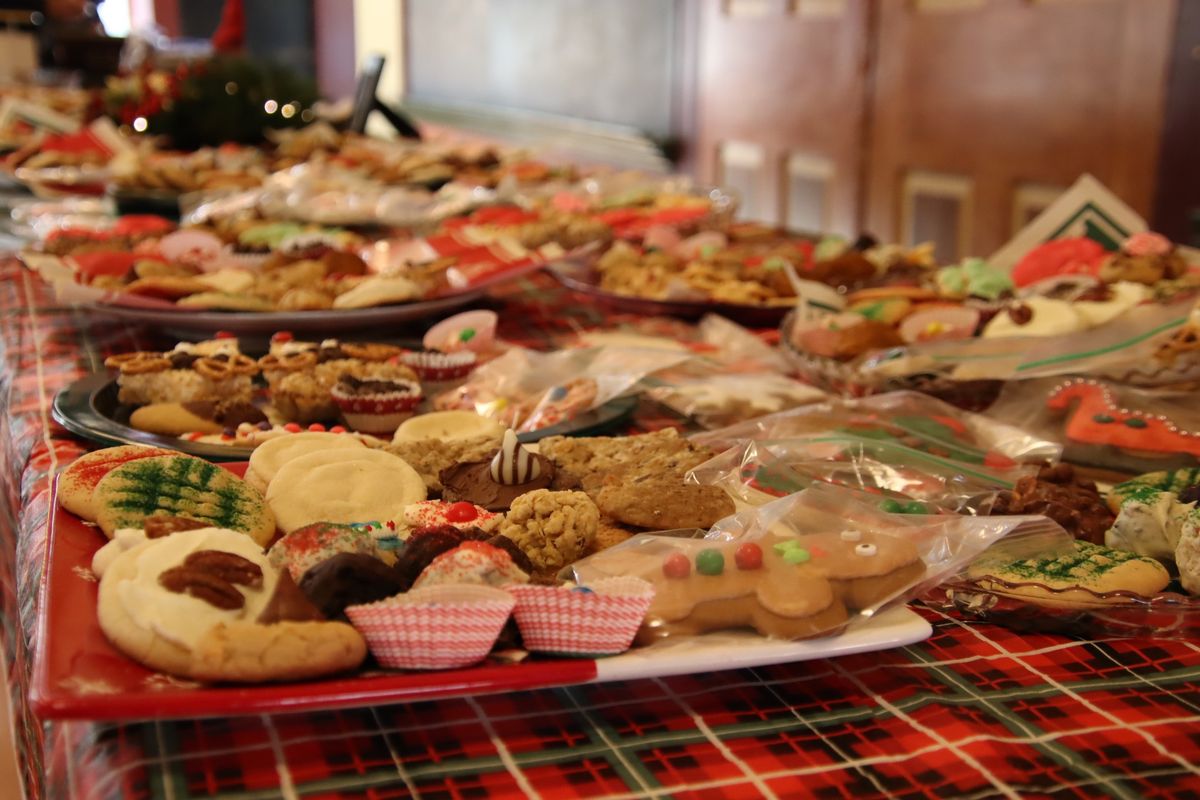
[495,483]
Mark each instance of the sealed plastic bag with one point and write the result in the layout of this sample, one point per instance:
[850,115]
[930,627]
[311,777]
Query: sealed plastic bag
[909,419]
[528,390]
[803,566]
[902,479]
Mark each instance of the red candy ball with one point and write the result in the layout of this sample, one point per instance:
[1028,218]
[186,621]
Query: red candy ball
[316,426]
[677,565]
[224,335]
[461,512]
[337,429]
[282,336]
[292,427]
[748,556]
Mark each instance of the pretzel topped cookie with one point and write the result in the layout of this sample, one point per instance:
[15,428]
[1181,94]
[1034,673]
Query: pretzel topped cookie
[211,370]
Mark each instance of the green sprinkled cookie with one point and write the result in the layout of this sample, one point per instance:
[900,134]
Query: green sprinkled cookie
[181,486]
[1075,578]
[1146,488]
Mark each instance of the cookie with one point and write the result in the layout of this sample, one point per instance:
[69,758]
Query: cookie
[180,486]
[343,486]
[664,504]
[1074,579]
[1146,488]
[379,290]
[222,301]
[609,533]
[78,481]
[498,480]
[448,426]
[171,419]
[788,587]
[586,462]
[207,605]
[167,287]
[272,454]
[553,529]
[430,456]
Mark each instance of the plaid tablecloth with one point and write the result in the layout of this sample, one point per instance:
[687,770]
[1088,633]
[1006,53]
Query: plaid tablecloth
[975,711]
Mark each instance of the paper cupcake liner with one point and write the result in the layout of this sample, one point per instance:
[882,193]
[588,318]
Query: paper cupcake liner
[439,627]
[601,622]
[402,400]
[433,366]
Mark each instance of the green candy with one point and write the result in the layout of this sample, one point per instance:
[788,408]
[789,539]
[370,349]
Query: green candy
[891,506]
[796,555]
[915,507]
[466,334]
[710,562]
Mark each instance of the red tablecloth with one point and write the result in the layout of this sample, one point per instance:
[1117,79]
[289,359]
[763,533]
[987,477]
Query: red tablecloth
[976,711]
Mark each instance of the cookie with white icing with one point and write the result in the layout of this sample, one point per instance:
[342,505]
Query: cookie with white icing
[206,604]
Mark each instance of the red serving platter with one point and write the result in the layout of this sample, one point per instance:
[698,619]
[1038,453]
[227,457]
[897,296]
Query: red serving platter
[79,675]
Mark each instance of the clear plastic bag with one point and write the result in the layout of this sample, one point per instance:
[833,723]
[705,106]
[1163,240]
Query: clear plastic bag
[1107,425]
[528,390]
[908,418]
[894,476]
[805,565]
[720,400]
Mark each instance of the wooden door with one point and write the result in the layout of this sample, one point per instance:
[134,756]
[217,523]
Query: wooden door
[780,105]
[983,110]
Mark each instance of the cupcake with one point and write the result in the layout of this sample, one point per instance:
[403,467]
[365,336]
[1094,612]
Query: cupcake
[435,367]
[375,405]
[439,627]
[598,619]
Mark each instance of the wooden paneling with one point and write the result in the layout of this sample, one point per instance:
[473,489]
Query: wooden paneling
[1013,92]
[787,82]
[1177,205]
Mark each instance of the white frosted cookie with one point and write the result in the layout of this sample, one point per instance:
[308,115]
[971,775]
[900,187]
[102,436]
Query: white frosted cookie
[272,454]
[190,604]
[447,426]
[343,486]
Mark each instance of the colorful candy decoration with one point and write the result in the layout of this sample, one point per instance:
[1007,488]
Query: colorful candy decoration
[748,556]
[710,562]
[677,565]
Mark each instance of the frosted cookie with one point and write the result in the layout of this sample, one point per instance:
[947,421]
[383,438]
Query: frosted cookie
[496,482]
[78,481]
[448,426]
[1151,526]
[269,456]
[207,605]
[180,486]
[788,587]
[343,486]
[1074,579]
[1147,488]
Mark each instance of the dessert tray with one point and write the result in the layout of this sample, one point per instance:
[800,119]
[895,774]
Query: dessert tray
[79,675]
[89,408]
[189,324]
[578,276]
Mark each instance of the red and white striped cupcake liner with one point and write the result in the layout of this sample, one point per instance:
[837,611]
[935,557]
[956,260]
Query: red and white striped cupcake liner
[602,621]
[438,627]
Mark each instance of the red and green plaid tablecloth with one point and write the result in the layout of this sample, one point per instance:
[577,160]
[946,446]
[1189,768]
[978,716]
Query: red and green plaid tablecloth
[975,711]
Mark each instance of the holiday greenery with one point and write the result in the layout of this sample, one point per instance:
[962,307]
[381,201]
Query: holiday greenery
[206,103]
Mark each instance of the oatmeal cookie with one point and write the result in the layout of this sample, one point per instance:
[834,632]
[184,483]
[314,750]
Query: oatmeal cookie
[430,456]
[553,528]
[664,504]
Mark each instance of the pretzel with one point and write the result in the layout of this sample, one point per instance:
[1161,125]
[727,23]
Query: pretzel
[290,362]
[370,352]
[138,363]
[222,369]
[1184,341]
